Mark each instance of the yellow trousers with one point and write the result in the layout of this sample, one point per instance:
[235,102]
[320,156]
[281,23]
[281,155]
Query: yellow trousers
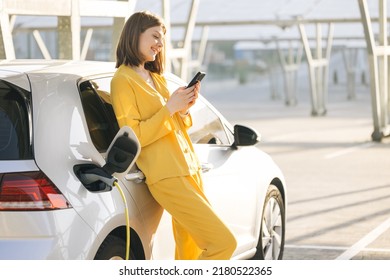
[199,233]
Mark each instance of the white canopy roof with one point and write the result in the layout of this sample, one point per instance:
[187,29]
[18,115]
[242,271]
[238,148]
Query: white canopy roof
[249,20]
[263,20]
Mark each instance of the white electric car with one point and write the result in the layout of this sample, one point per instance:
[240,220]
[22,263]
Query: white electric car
[56,124]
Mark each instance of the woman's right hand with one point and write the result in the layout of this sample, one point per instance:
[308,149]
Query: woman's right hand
[181,99]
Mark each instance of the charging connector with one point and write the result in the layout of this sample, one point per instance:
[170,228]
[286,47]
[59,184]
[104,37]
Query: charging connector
[92,175]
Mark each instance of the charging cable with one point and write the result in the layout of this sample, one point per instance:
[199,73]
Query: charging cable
[127,219]
[92,175]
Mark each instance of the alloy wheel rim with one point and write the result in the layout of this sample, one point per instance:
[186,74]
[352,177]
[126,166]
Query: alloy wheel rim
[272,230]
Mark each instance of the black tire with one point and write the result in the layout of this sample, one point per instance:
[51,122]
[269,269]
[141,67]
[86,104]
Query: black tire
[272,229]
[113,248]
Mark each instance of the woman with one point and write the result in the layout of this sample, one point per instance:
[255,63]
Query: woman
[141,100]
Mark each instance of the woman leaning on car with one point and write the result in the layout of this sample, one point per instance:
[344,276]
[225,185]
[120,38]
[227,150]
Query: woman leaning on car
[160,120]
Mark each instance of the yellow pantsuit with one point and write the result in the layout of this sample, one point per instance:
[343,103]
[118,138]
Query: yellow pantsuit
[170,165]
[195,225]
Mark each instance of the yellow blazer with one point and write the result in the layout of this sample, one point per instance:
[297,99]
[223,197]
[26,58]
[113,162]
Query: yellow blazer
[166,149]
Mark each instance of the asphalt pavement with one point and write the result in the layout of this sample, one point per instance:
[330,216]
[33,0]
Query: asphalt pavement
[338,179]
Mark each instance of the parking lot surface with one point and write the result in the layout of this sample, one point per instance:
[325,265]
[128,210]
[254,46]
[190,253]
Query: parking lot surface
[338,178]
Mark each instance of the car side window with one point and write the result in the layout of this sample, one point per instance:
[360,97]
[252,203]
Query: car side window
[15,142]
[207,127]
[100,117]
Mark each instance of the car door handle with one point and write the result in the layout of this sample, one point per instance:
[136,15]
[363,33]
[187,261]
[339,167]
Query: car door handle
[136,176]
[206,167]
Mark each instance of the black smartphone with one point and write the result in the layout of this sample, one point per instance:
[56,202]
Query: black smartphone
[198,77]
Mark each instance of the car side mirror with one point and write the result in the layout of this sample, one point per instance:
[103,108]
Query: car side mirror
[244,136]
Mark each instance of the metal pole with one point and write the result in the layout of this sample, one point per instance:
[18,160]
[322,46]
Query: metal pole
[75,25]
[290,68]
[41,44]
[6,36]
[203,44]
[378,80]
[319,72]
[310,61]
[383,62]
[329,44]
[166,12]
[87,41]
[188,39]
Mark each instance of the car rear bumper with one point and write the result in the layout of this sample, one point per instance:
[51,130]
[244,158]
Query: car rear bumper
[59,234]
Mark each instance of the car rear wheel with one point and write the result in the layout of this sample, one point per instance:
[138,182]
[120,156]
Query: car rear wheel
[113,248]
[272,230]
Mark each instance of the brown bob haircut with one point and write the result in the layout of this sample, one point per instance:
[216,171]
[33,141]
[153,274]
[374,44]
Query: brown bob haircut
[127,51]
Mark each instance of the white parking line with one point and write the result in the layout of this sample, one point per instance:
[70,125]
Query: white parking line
[366,240]
[349,150]
[335,248]
[317,247]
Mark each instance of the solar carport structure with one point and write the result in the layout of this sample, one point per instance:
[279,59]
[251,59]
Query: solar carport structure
[315,26]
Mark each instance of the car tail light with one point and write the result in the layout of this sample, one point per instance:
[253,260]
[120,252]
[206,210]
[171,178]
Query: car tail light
[29,191]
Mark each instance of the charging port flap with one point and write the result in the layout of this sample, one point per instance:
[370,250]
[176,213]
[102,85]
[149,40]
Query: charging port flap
[121,156]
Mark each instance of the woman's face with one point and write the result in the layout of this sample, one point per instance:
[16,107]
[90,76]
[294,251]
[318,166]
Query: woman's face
[151,42]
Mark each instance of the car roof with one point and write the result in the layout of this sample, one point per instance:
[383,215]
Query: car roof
[23,71]
[20,71]
[81,68]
